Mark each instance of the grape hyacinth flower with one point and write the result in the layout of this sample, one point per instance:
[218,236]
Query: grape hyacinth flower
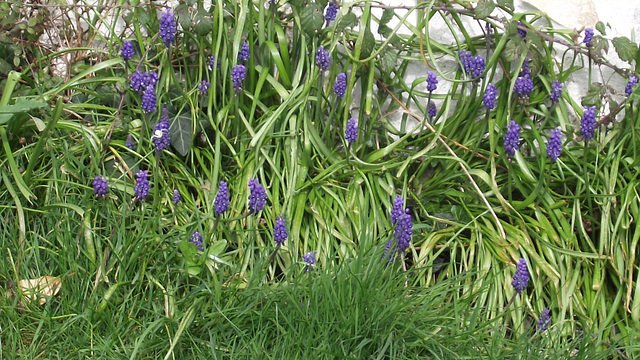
[556,91]
[386,250]
[126,51]
[100,187]
[212,62]
[310,260]
[221,203]
[403,231]
[478,65]
[588,123]
[526,67]
[489,98]
[545,320]
[196,239]
[177,198]
[521,277]
[633,80]
[332,11]
[432,111]
[280,232]
[257,196]
[351,133]
[432,81]
[149,99]
[238,74]
[521,33]
[130,143]
[244,53]
[523,86]
[398,209]
[323,59]
[588,35]
[203,88]
[161,135]
[512,138]
[340,87]
[168,28]
[465,59]
[554,145]
[141,190]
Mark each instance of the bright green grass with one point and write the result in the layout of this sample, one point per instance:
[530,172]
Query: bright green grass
[134,288]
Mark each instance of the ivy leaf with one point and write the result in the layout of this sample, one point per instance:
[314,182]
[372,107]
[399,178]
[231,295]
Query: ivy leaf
[180,130]
[601,28]
[507,3]
[312,19]
[203,23]
[368,43]
[626,49]
[387,15]
[484,8]
[593,95]
[349,20]
[22,105]
[513,49]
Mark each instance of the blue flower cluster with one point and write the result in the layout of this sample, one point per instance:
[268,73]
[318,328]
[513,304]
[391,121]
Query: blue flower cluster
[141,190]
[521,277]
[141,81]
[489,98]
[478,65]
[257,196]
[401,219]
[203,88]
[556,91]
[523,86]
[588,35]
[340,87]
[238,73]
[466,57]
[177,197]
[323,58]
[332,11]
[196,239]
[161,135]
[130,143]
[512,138]
[432,111]
[100,187]
[554,145]
[545,320]
[168,28]
[280,231]
[126,51]
[633,80]
[221,203]
[310,260]
[351,133]
[432,81]
[212,62]
[244,54]
[588,123]
[522,33]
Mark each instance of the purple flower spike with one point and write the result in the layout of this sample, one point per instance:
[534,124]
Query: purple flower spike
[323,59]
[280,231]
[512,138]
[432,81]
[478,65]
[203,88]
[238,74]
[257,196]
[465,59]
[161,135]
[310,260]
[588,35]
[141,190]
[588,123]
[545,320]
[521,33]
[168,28]
[351,133]
[523,86]
[403,231]
[130,143]
[398,209]
[126,51]
[149,99]
[196,239]
[554,146]
[340,87]
[633,80]
[177,198]
[556,91]
[244,53]
[432,111]
[221,203]
[212,63]
[489,98]
[521,277]
[100,187]
[332,11]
